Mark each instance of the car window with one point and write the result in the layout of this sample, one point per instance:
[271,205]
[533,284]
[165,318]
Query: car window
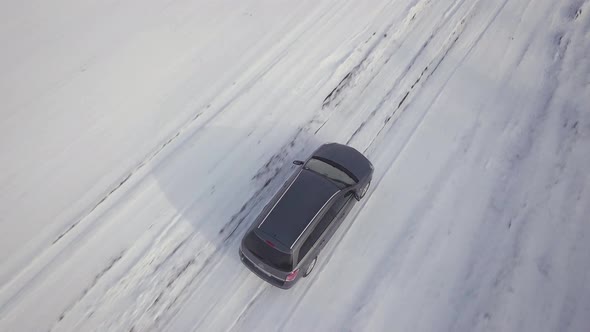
[322,167]
[271,256]
[322,225]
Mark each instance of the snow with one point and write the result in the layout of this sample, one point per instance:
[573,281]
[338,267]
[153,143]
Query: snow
[139,139]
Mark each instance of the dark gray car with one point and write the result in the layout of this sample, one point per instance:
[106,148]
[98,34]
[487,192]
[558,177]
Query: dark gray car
[285,240]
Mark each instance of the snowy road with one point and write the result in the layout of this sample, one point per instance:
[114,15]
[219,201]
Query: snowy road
[138,140]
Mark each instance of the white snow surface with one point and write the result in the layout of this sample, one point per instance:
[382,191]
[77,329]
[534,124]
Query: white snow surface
[139,139]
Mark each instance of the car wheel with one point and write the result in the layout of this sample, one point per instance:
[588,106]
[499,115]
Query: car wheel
[310,267]
[365,189]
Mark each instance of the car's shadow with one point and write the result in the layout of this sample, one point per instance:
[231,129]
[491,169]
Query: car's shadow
[219,178]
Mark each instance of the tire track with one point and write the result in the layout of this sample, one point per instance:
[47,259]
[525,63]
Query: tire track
[429,69]
[389,49]
[372,148]
[260,291]
[338,93]
[94,282]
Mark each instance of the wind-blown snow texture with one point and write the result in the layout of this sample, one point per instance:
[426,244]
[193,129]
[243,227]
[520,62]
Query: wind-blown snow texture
[140,138]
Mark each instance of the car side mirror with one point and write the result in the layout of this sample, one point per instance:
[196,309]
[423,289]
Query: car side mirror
[298,162]
[356,196]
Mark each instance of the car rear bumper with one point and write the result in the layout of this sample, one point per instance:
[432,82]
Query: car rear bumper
[264,276]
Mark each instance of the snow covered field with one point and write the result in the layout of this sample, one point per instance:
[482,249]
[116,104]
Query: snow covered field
[139,138]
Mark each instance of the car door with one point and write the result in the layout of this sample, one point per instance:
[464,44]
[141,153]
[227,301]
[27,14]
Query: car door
[350,202]
[325,228]
[337,212]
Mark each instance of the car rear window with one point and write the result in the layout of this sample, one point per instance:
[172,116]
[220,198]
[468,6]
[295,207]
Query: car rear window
[265,252]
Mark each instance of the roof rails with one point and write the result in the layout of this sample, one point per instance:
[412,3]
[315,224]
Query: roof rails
[278,200]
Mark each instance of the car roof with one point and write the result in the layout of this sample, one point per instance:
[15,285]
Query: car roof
[299,204]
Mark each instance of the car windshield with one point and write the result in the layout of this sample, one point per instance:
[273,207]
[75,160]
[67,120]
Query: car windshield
[321,167]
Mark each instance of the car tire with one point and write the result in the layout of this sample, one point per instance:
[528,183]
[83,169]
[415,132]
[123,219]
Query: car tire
[365,189]
[310,267]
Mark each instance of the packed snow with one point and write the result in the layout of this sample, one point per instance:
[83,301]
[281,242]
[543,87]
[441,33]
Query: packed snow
[140,138]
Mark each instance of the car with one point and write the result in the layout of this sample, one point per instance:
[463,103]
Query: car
[285,240]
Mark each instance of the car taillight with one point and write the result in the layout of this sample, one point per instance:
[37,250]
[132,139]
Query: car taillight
[291,276]
[270,243]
